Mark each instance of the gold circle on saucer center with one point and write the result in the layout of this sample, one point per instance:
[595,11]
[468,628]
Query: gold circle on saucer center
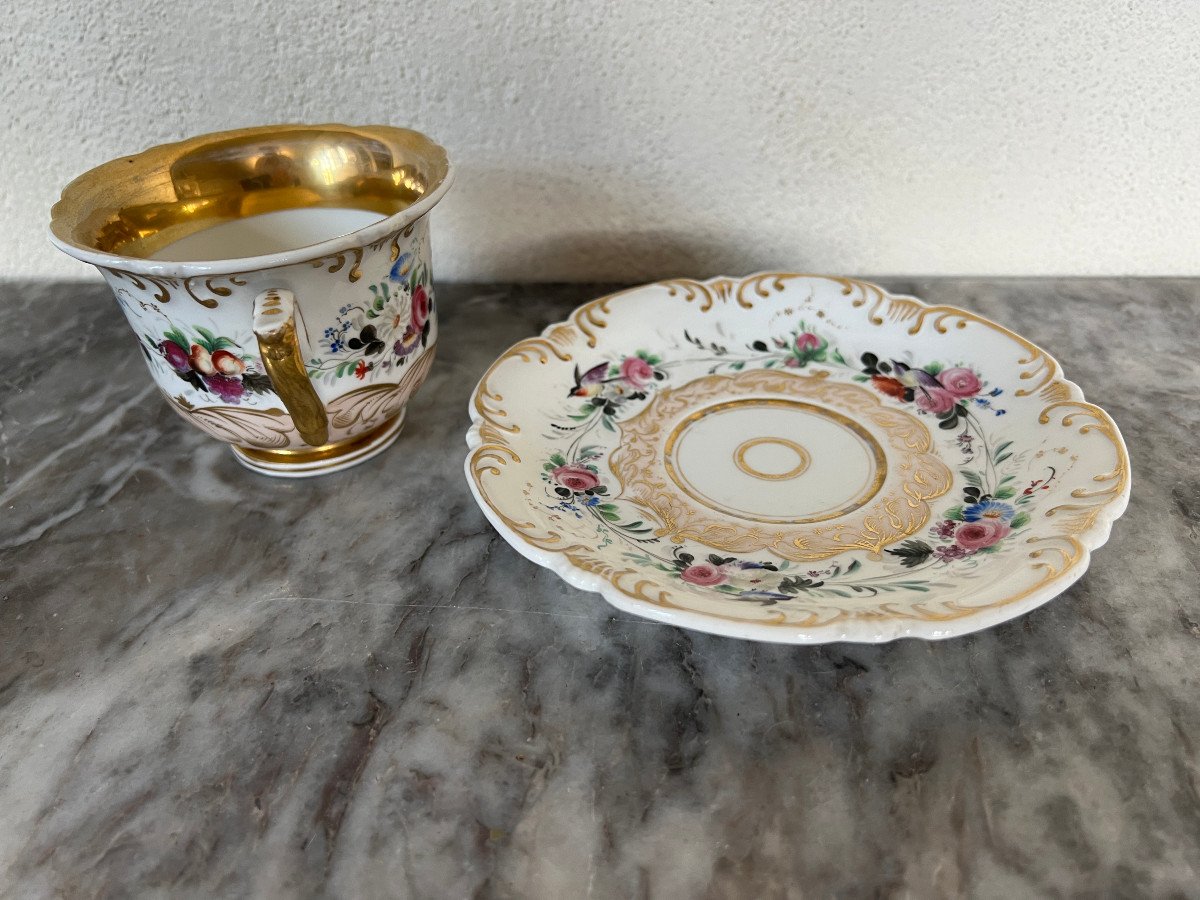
[858,498]
[891,503]
[804,459]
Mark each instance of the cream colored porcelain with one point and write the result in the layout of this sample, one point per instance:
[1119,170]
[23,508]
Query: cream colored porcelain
[796,459]
[278,280]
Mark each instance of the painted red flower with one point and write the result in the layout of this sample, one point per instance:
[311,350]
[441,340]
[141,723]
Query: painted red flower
[984,533]
[703,574]
[361,370]
[960,382]
[637,372]
[420,307]
[935,400]
[807,341]
[889,386]
[576,478]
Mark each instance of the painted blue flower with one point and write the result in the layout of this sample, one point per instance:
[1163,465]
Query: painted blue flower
[335,346]
[400,269]
[992,510]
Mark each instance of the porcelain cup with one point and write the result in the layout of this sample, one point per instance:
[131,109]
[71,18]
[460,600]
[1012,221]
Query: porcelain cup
[278,281]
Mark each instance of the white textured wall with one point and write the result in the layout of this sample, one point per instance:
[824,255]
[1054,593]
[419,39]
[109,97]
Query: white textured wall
[624,139]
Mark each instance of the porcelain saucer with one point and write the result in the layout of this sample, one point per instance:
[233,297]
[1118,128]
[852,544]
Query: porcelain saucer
[796,459]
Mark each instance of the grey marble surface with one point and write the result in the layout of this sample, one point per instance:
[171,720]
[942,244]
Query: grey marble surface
[213,683]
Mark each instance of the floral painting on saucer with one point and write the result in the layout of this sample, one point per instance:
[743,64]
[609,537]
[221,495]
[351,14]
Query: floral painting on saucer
[795,459]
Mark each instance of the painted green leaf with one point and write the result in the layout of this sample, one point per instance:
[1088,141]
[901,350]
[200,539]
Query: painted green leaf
[912,553]
[955,513]
[1020,520]
[207,340]
[1005,493]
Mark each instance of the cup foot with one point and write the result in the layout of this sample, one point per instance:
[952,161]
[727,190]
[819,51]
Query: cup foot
[321,460]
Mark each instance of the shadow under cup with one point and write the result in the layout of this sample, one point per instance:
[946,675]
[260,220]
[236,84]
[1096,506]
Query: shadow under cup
[278,280]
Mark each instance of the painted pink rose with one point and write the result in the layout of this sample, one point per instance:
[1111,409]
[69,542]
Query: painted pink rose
[977,535]
[703,574]
[960,382]
[576,478]
[420,307]
[935,400]
[807,341]
[637,372]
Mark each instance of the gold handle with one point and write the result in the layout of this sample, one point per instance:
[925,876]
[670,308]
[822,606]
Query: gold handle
[275,328]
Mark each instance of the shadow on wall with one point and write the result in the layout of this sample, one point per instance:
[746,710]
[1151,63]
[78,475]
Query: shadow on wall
[525,226]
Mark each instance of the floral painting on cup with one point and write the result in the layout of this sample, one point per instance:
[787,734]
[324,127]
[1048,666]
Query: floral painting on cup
[210,364]
[382,331]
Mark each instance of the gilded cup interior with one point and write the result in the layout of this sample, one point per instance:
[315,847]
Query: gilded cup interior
[136,205]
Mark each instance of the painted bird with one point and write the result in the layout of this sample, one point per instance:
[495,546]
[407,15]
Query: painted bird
[913,378]
[591,383]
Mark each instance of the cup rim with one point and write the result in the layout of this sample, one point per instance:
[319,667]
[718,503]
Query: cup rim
[368,234]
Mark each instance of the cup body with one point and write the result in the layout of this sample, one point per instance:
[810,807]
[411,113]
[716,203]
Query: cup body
[358,338]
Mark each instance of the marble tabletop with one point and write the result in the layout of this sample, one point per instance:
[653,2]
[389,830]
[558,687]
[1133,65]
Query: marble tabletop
[217,684]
